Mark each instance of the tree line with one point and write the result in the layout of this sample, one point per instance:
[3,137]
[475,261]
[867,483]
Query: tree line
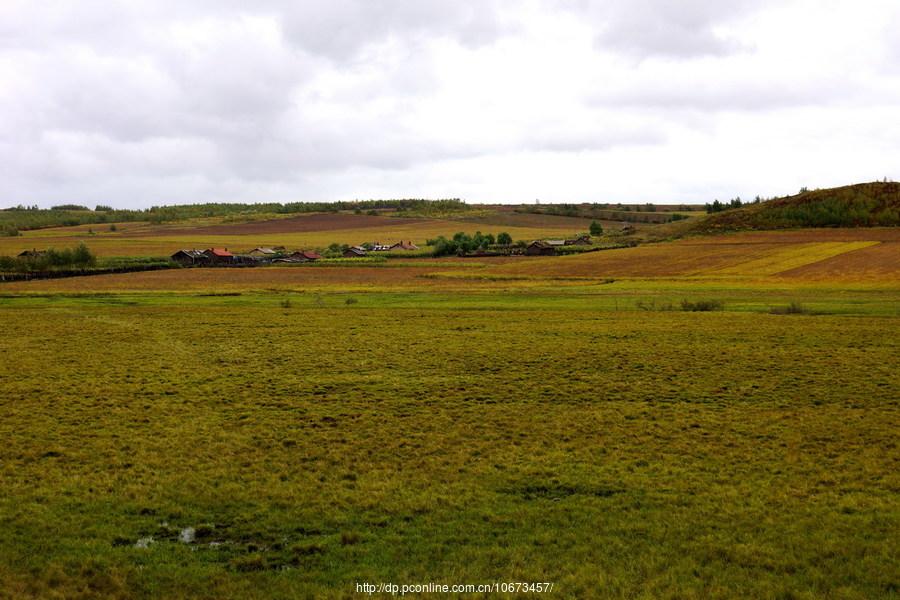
[79,257]
[21,218]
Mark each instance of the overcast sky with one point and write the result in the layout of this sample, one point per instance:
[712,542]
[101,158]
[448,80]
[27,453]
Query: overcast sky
[157,102]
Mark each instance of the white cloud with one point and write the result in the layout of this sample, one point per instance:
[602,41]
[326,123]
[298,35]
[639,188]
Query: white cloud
[141,103]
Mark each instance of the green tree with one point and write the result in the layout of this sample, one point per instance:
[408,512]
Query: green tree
[504,239]
[596,228]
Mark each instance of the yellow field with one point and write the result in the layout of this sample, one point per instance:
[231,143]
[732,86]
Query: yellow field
[793,257]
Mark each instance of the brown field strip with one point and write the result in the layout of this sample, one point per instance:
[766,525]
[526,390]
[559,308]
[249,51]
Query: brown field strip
[879,262]
[345,278]
[756,254]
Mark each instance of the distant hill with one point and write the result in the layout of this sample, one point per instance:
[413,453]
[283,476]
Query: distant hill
[860,205]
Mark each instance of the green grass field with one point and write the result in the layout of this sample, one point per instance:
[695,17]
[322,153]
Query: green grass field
[291,432]
[312,440]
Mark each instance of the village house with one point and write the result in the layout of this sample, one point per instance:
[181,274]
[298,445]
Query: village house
[219,256]
[582,240]
[263,252]
[354,252]
[304,256]
[540,248]
[32,253]
[401,245]
[189,257]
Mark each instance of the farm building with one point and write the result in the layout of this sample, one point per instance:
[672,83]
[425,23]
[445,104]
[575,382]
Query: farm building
[189,257]
[354,252]
[582,240]
[31,253]
[540,248]
[401,245]
[263,252]
[379,247]
[304,256]
[219,256]
[627,228]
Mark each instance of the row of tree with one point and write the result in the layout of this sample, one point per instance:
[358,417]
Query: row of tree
[32,217]
[463,243]
[717,206]
[79,257]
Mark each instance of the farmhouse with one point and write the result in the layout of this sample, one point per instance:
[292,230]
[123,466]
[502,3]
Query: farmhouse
[189,257]
[582,240]
[219,256]
[304,256]
[32,253]
[354,252]
[401,245]
[263,252]
[540,248]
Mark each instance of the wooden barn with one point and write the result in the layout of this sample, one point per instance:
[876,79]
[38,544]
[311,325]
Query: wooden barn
[189,257]
[540,248]
[401,245]
[31,253]
[219,256]
[304,256]
[581,240]
[354,252]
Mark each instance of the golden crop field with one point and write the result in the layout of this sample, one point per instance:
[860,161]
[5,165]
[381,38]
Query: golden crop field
[707,418]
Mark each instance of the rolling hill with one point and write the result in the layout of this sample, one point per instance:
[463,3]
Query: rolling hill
[860,205]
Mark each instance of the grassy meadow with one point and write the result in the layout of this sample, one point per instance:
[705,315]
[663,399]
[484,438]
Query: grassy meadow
[289,432]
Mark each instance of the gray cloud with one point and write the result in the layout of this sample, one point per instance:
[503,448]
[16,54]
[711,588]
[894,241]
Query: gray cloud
[669,28]
[147,102]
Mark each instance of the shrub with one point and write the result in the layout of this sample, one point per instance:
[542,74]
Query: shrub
[702,305]
[349,538]
[794,308]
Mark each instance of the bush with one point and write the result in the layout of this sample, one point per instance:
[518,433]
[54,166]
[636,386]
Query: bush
[794,308]
[702,305]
